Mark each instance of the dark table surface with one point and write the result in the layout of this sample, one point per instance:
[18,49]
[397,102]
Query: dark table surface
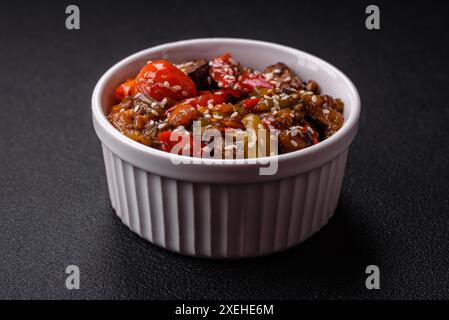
[54,203]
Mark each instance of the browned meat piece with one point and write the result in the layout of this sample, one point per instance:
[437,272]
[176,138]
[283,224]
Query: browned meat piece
[153,128]
[282,77]
[198,71]
[191,66]
[298,114]
[330,119]
[297,138]
[281,119]
[312,85]
[122,119]
[145,105]
[332,103]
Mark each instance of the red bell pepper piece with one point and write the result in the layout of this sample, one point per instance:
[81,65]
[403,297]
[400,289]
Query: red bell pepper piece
[250,81]
[224,71]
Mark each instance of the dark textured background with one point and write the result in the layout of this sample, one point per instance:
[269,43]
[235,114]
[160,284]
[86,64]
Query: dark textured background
[54,208]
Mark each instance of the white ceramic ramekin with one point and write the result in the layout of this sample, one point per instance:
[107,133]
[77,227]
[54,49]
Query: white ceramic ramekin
[225,209]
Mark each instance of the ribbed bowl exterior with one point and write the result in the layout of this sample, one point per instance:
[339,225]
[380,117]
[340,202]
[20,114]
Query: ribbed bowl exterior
[223,220]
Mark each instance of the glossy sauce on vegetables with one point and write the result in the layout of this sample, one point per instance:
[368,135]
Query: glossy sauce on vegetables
[165,98]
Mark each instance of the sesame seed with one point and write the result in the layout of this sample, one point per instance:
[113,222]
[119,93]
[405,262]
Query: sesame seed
[325,111]
[216,116]
[184,93]
[235,114]
[166,84]
[314,99]
[294,132]
[155,112]
[154,104]
[164,101]
[294,143]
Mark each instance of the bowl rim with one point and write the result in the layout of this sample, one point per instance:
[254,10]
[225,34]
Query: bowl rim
[350,124]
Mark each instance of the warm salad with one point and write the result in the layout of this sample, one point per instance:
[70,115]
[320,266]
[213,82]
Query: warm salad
[221,94]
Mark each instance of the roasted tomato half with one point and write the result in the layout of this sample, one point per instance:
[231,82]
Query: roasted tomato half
[126,89]
[160,79]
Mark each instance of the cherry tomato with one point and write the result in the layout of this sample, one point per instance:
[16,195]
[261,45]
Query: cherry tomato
[224,71]
[160,79]
[125,89]
[250,81]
